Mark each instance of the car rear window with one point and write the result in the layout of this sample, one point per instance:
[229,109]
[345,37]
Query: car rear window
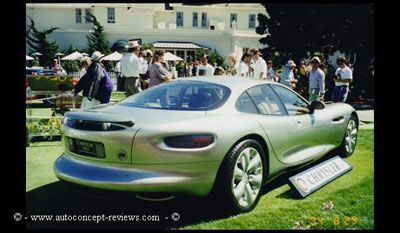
[181,95]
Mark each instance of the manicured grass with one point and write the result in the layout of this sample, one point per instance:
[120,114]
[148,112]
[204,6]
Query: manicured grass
[117,96]
[40,157]
[352,195]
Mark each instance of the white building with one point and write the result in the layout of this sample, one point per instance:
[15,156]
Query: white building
[225,27]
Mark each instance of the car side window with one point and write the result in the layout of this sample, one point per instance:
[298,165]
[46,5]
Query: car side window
[293,103]
[245,104]
[266,100]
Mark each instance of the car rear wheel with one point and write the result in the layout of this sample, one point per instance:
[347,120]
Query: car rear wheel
[350,138]
[239,183]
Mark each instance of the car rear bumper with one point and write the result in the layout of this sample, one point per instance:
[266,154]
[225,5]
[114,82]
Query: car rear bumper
[190,178]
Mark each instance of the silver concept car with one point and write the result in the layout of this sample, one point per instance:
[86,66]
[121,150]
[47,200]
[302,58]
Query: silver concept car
[219,136]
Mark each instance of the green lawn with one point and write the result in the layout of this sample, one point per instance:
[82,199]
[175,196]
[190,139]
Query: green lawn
[279,208]
[351,194]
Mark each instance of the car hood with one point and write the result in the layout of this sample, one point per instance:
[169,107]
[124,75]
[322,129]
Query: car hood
[139,116]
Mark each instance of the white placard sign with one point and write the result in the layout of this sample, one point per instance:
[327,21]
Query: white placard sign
[315,177]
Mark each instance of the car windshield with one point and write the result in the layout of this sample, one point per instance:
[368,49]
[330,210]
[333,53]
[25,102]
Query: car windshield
[181,95]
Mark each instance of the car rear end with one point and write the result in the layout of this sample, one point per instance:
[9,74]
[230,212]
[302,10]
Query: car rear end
[139,149]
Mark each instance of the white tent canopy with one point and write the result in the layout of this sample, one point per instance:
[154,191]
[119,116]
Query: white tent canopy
[28,58]
[115,56]
[73,56]
[171,57]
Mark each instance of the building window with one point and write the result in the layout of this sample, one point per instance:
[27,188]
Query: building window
[252,21]
[180,53]
[110,15]
[190,56]
[78,15]
[233,18]
[195,19]
[87,17]
[204,19]
[179,19]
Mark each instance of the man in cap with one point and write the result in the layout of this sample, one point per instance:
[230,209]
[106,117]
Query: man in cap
[287,77]
[260,69]
[131,68]
[317,81]
[91,81]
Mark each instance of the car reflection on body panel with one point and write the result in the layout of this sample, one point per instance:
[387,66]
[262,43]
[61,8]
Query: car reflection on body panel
[218,136]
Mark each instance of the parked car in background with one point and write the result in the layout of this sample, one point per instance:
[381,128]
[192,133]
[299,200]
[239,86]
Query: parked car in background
[220,136]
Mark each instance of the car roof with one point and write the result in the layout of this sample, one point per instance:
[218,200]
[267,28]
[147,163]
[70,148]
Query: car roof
[232,82]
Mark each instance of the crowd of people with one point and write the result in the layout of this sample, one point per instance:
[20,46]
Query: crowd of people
[139,70]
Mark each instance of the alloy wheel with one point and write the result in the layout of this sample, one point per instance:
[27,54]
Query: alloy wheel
[247,177]
[351,136]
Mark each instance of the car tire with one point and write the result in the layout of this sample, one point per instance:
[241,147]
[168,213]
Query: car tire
[239,183]
[349,142]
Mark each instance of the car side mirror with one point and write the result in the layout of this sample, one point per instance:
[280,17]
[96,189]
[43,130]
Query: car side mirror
[316,105]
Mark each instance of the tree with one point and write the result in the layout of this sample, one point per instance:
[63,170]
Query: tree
[213,56]
[38,42]
[146,46]
[96,40]
[296,30]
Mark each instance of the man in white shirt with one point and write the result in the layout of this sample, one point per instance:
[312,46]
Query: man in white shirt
[344,77]
[131,68]
[205,69]
[260,69]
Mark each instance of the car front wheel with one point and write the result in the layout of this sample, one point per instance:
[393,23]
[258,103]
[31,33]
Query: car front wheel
[241,177]
[350,138]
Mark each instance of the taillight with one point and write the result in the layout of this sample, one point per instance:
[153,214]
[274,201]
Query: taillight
[189,141]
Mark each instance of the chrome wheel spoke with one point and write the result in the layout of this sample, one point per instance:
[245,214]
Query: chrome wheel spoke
[256,180]
[353,143]
[238,173]
[250,195]
[349,145]
[254,163]
[239,190]
[244,161]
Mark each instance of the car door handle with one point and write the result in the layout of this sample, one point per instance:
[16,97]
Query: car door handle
[298,123]
[338,119]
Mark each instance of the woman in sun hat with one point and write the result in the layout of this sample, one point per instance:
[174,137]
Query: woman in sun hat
[91,81]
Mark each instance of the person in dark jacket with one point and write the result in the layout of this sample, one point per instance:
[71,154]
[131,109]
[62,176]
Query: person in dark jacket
[91,82]
[105,89]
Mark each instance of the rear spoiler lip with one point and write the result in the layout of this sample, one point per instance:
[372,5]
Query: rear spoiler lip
[98,116]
